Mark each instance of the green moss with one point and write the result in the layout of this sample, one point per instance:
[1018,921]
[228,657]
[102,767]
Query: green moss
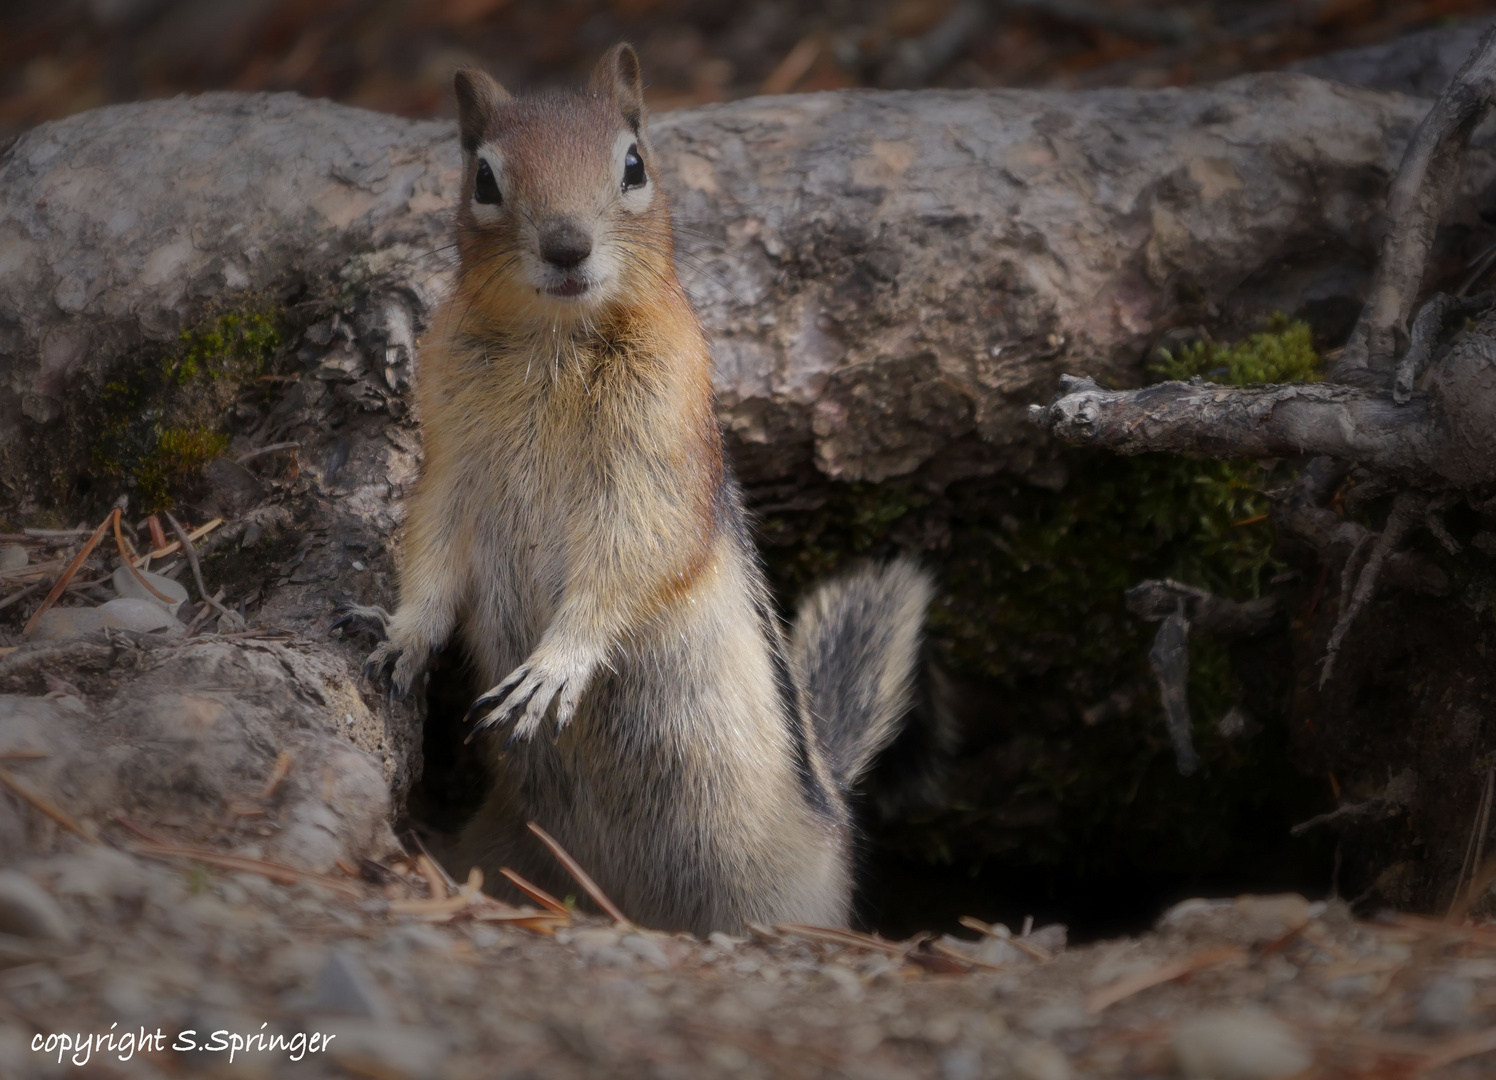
[160,419]
[179,454]
[1284,352]
[235,345]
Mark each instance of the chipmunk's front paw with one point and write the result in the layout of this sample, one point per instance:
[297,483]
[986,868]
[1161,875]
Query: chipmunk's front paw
[526,696]
[396,664]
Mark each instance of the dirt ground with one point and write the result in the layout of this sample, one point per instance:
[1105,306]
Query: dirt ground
[206,959]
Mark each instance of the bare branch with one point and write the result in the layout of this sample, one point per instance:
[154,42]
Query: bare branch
[1425,336]
[1229,421]
[1170,660]
[1427,179]
[1406,510]
[1206,612]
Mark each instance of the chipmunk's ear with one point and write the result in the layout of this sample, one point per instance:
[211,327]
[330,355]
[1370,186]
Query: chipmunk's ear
[478,97]
[617,76]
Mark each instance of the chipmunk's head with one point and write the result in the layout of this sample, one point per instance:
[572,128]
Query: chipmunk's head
[561,211]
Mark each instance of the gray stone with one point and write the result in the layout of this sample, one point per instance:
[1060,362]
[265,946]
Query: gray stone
[12,557]
[1238,1044]
[99,875]
[146,616]
[1448,1001]
[961,1063]
[128,587]
[345,989]
[1041,1061]
[28,910]
[646,949]
[59,624]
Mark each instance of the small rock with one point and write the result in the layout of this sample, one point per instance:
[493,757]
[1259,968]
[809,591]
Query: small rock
[417,936]
[1051,938]
[126,584]
[1238,1044]
[145,616]
[599,946]
[13,557]
[1246,920]
[59,624]
[1041,1061]
[961,1063]
[99,875]
[1055,1017]
[28,910]
[1352,987]
[846,981]
[647,950]
[399,1049]
[1447,1002]
[345,988]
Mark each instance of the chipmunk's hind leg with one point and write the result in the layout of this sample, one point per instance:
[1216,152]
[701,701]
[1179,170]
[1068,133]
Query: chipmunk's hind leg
[856,646]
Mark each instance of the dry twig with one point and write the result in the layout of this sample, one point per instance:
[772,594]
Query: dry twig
[197,570]
[436,880]
[1475,848]
[263,450]
[1406,510]
[195,535]
[1129,985]
[72,569]
[574,868]
[277,872]
[202,616]
[42,801]
[439,903]
[851,938]
[19,596]
[278,773]
[128,559]
[536,893]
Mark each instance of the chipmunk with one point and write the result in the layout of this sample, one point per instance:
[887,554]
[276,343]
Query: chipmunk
[576,523]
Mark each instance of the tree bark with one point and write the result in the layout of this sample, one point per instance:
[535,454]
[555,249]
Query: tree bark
[889,279]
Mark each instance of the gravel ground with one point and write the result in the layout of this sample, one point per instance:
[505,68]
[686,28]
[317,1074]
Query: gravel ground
[102,940]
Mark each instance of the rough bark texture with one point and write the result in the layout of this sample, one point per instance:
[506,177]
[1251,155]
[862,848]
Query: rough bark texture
[889,278]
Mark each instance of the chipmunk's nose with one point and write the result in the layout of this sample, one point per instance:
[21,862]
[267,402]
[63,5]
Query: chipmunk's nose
[564,243]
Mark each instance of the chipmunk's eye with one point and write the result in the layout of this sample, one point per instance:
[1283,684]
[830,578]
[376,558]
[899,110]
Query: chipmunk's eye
[486,188]
[633,169]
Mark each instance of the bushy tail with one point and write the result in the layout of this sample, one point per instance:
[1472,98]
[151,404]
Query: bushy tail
[855,647]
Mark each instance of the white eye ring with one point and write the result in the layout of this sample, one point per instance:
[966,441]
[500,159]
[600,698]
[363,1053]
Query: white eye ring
[635,190]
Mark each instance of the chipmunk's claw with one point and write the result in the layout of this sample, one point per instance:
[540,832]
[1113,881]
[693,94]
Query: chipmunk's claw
[390,665]
[491,698]
[381,664]
[526,696]
[370,620]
